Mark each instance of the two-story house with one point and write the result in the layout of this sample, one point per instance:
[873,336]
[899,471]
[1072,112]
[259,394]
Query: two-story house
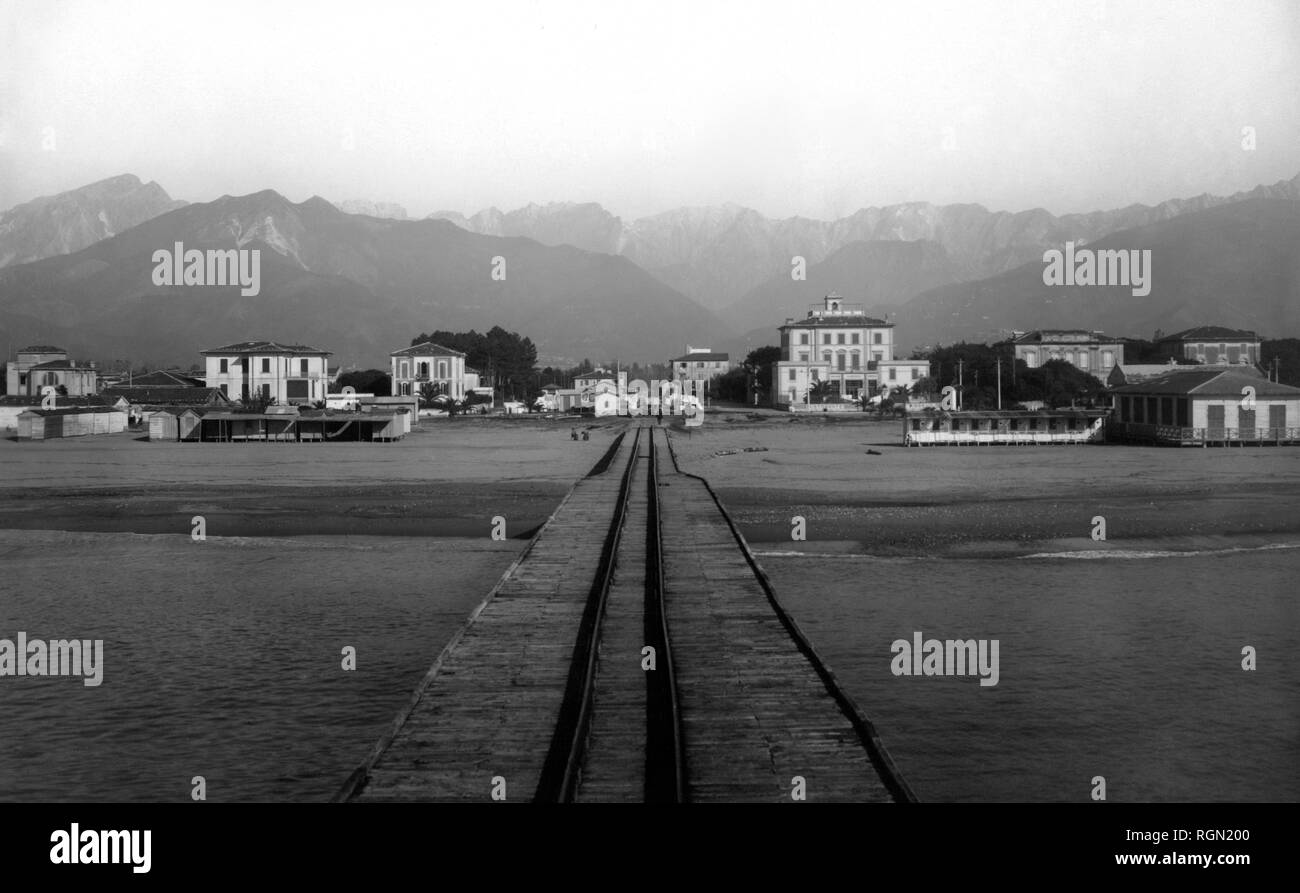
[428,363]
[1089,351]
[699,363]
[1212,345]
[283,373]
[835,343]
[35,367]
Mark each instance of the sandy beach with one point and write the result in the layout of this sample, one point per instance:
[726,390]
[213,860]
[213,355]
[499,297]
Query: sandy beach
[388,545]
[983,500]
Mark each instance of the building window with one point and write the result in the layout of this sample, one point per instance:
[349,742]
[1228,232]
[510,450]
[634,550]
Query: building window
[266,364]
[826,356]
[302,367]
[857,337]
[424,370]
[826,338]
[857,361]
[840,361]
[803,356]
[803,337]
[1083,359]
[1107,358]
[1031,358]
[877,338]
[442,368]
[792,375]
[916,374]
[840,338]
[224,366]
[893,373]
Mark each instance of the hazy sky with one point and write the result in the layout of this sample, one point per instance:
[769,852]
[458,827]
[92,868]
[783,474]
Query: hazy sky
[809,108]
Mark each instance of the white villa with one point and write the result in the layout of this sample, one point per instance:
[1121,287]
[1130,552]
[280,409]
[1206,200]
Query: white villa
[285,373]
[836,343]
[429,363]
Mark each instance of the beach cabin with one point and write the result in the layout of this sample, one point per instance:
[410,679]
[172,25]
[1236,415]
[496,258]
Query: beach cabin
[310,426]
[175,423]
[72,421]
[1219,407]
[1017,427]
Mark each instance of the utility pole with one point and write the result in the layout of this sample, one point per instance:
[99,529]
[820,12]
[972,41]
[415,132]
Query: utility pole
[959,381]
[999,382]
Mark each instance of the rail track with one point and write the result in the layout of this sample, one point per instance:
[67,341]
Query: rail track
[670,673]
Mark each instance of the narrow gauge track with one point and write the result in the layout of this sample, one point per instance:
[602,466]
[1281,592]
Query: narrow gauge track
[619,733]
[670,674]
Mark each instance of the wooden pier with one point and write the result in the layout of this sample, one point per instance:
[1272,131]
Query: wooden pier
[635,652]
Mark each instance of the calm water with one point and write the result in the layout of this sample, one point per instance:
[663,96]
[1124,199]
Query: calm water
[1125,667]
[222,659]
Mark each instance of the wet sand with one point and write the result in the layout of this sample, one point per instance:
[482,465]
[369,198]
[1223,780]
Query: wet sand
[985,500]
[450,479]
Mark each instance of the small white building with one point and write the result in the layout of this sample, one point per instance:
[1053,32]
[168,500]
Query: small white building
[428,363]
[898,374]
[700,363]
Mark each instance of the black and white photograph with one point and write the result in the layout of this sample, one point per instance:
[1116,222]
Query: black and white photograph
[882,409]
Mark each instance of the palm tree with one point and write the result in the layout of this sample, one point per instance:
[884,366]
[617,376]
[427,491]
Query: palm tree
[820,391]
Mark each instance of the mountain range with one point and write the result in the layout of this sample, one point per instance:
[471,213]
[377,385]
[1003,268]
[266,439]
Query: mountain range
[582,283]
[717,255]
[359,286]
[69,221]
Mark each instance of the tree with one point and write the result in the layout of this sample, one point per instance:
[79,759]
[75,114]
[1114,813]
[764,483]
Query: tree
[820,391]
[1287,353]
[730,386]
[506,360]
[429,391]
[371,381]
[759,365]
[925,385]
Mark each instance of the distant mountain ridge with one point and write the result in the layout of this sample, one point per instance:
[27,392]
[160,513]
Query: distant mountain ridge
[1232,264]
[718,254]
[390,210]
[67,222]
[356,285]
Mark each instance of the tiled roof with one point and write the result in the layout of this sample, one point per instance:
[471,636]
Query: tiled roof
[264,347]
[161,379]
[1208,383]
[61,364]
[711,357]
[1061,336]
[857,322]
[1211,333]
[173,396]
[24,400]
[42,348]
[426,349]
[72,410]
[1064,412]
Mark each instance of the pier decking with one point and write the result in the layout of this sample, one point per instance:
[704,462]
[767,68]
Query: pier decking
[544,695]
